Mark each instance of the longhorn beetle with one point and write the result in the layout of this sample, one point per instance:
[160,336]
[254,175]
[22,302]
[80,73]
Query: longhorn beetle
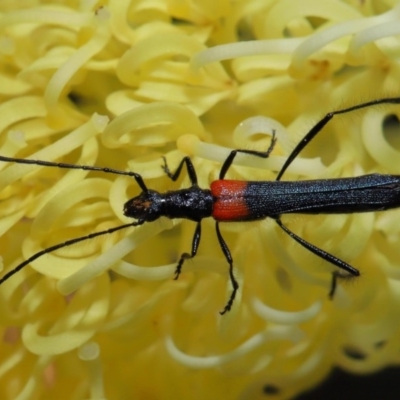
[240,201]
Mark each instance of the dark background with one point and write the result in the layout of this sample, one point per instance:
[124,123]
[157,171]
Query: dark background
[383,385]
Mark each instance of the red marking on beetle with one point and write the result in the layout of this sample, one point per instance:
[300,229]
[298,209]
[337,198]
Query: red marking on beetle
[229,200]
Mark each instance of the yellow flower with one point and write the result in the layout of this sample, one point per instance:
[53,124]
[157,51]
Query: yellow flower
[120,84]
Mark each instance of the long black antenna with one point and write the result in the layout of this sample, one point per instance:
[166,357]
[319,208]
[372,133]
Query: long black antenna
[136,176]
[64,244]
[42,163]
